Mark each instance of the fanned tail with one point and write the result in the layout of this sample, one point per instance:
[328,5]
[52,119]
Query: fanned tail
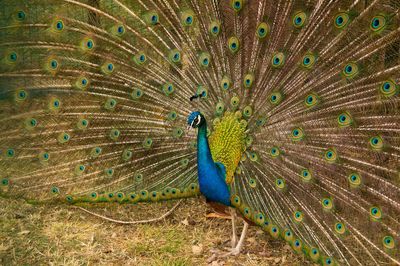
[323,174]
[93,99]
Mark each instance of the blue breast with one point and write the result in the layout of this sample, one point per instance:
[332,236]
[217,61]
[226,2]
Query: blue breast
[211,180]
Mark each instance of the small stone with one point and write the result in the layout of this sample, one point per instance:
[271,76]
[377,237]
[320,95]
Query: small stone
[25,232]
[197,249]
[216,263]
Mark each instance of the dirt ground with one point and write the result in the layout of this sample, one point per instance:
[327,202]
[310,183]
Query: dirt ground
[64,235]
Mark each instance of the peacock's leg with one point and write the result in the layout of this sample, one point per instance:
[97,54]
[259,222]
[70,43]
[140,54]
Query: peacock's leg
[234,251]
[234,235]
[237,249]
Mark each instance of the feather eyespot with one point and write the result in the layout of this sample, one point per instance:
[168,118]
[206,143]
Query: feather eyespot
[314,254]
[354,180]
[306,175]
[345,119]
[341,20]
[262,30]
[20,15]
[215,28]
[327,204]
[114,134]
[280,183]
[388,88]
[276,98]
[204,59]
[298,216]
[237,5]
[378,23]
[248,80]
[299,19]
[375,213]
[233,44]
[187,18]
[297,134]
[311,100]
[151,18]
[175,56]
[55,190]
[278,60]
[350,70]
[308,60]
[225,83]
[340,228]
[331,155]
[388,242]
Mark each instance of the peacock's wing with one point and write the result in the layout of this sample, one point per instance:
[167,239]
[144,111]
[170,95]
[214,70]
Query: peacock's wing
[227,142]
[322,166]
[94,97]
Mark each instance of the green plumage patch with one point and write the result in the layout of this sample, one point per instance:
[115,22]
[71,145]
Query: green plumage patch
[227,143]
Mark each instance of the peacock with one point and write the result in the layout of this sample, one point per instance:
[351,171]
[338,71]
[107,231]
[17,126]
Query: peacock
[286,113]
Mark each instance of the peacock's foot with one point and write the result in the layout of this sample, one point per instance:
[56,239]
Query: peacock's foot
[232,251]
[221,254]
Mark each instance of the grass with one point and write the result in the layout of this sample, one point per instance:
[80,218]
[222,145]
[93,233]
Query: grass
[64,235]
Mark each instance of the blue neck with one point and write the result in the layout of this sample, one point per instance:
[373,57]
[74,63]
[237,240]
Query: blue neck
[203,149]
[212,185]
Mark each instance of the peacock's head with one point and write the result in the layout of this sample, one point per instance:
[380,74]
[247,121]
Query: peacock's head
[195,119]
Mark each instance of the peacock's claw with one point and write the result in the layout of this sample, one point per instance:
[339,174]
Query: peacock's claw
[234,251]
[221,254]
